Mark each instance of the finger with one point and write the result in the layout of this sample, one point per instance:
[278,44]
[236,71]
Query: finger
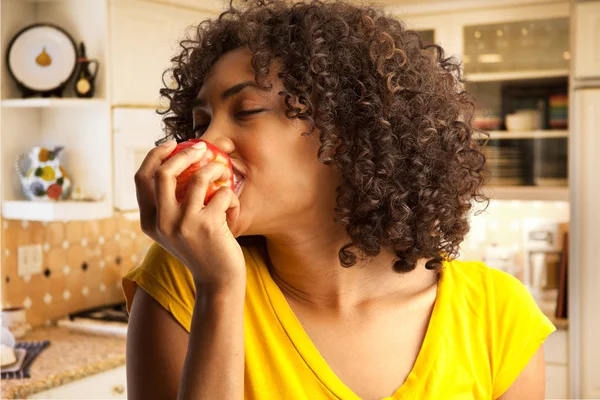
[166,175]
[224,201]
[199,183]
[144,181]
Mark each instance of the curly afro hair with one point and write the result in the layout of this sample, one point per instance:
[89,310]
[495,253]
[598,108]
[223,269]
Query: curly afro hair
[392,114]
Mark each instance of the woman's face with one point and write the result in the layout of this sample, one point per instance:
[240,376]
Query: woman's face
[284,185]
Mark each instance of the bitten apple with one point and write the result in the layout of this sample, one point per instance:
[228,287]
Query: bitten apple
[212,154]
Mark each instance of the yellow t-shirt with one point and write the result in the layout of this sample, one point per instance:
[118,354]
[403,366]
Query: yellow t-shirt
[484,328]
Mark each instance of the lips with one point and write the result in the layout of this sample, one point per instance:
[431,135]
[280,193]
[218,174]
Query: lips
[238,180]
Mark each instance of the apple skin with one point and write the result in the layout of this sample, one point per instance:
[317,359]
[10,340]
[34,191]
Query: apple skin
[213,153]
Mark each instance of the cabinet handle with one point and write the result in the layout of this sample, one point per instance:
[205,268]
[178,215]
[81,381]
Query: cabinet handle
[118,389]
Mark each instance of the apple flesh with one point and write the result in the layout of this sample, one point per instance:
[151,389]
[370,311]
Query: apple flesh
[213,154]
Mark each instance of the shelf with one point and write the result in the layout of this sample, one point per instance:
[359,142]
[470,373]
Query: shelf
[51,102]
[541,134]
[55,211]
[517,75]
[540,193]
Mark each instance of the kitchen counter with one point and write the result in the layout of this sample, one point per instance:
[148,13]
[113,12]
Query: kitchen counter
[70,356]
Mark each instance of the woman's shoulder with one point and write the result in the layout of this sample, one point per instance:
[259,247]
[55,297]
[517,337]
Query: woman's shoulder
[475,278]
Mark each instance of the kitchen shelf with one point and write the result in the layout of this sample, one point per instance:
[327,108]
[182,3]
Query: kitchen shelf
[56,211]
[51,102]
[516,75]
[539,134]
[541,193]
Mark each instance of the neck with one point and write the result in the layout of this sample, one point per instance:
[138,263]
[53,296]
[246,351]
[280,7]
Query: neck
[306,267]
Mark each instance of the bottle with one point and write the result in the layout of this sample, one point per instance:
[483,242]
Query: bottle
[84,79]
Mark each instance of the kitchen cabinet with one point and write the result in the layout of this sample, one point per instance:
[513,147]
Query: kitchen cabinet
[111,384]
[144,38]
[133,40]
[82,126]
[587,46]
[537,35]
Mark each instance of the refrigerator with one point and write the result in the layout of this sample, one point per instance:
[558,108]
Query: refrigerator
[584,180]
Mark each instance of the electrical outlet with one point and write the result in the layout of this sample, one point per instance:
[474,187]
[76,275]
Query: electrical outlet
[30,260]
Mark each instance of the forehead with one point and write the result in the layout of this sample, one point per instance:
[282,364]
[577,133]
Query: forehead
[234,67]
[234,64]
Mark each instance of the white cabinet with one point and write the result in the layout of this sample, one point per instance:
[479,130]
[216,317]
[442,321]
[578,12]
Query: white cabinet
[557,372]
[82,126]
[144,38]
[557,381]
[111,384]
[135,132]
[587,45]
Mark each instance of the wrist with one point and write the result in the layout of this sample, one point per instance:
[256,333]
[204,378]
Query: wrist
[231,287]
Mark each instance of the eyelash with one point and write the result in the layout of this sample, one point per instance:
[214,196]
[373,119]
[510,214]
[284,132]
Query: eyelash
[242,113]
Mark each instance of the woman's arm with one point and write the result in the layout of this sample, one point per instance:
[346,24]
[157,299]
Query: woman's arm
[531,383]
[214,364]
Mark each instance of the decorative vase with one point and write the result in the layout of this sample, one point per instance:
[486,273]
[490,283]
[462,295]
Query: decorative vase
[45,179]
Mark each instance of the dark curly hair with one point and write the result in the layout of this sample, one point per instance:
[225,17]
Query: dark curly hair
[392,113]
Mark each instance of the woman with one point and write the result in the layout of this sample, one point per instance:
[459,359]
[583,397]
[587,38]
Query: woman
[331,272]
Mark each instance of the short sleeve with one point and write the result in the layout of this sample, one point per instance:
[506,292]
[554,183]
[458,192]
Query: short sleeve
[167,280]
[520,328]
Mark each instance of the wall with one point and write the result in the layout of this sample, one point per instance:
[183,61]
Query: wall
[502,224]
[83,262]
[86,259]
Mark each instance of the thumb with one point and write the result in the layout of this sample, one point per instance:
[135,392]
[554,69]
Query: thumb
[224,202]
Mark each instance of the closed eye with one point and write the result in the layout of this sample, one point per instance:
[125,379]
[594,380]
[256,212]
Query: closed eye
[240,114]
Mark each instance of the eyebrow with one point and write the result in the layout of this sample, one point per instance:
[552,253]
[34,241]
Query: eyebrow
[232,91]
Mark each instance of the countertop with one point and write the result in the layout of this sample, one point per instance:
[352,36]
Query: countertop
[70,356]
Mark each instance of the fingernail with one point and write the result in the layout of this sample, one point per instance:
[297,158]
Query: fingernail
[199,146]
[169,143]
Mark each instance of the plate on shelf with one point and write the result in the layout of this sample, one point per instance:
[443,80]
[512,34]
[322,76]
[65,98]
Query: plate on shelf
[42,58]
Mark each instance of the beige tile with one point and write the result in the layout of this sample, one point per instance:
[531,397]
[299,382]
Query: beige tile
[92,230]
[110,250]
[108,227]
[125,245]
[74,231]
[75,282]
[76,255]
[37,233]
[36,285]
[55,233]
[56,258]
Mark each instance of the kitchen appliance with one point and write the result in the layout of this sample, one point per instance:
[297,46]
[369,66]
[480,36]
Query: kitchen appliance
[110,319]
[543,241]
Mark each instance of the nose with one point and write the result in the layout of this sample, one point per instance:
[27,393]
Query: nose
[219,138]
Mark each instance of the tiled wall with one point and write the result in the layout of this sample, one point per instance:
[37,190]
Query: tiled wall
[502,224]
[83,262]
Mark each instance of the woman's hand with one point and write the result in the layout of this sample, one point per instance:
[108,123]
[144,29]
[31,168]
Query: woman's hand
[199,236]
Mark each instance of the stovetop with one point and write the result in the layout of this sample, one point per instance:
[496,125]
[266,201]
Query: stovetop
[116,312]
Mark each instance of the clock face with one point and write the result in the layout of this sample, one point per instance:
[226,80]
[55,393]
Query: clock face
[42,57]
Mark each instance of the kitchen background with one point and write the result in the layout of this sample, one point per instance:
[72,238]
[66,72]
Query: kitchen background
[532,64]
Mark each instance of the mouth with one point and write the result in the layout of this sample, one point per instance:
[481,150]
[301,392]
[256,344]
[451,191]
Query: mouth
[238,181]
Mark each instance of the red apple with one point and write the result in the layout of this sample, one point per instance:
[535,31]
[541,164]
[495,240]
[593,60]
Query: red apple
[212,154]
